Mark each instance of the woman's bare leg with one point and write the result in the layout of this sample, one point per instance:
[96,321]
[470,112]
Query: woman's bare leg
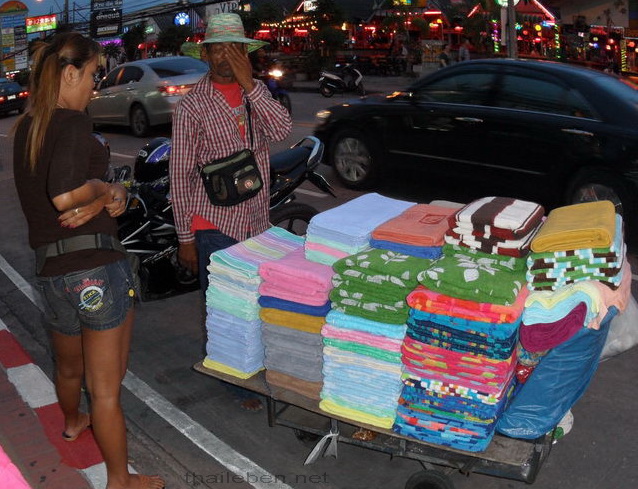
[69,372]
[106,356]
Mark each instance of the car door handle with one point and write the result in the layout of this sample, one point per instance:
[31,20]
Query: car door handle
[468,119]
[578,132]
[128,89]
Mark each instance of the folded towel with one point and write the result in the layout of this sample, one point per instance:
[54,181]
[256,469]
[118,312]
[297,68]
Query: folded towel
[540,337]
[208,363]
[587,225]
[355,323]
[430,252]
[501,217]
[284,305]
[302,322]
[422,225]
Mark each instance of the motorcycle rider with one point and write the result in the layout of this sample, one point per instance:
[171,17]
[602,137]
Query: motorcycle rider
[225,112]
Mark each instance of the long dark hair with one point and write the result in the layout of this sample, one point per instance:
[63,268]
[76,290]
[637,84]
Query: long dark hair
[49,59]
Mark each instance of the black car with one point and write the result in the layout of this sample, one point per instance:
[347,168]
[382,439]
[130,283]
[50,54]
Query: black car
[12,96]
[545,131]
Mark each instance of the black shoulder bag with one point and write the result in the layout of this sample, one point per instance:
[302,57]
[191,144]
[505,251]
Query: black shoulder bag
[235,178]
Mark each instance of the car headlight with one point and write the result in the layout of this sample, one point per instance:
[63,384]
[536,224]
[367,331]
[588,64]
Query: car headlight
[322,116]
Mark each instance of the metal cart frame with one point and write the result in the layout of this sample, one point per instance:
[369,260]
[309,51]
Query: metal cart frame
[505,457]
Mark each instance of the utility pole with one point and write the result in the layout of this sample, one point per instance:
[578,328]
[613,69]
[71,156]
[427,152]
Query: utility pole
[512,42]
[66,12]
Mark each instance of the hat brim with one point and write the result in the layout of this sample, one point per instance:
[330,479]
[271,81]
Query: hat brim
[253,44]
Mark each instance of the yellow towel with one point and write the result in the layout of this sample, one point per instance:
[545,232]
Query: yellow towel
[356,415]
[573,227]
[225,369]
[294,320]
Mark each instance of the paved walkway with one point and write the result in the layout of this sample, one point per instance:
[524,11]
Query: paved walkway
[32,451]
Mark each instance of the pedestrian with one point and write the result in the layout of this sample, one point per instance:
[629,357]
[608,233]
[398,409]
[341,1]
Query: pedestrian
[464,50]
[444,57]
[86,281]
[225,112]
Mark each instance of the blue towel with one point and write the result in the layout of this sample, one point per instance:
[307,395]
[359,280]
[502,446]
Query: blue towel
[284,305]
[431,252]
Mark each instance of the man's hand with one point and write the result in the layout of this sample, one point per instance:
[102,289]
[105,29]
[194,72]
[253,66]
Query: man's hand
[240,64]
[116,200]
[187,256]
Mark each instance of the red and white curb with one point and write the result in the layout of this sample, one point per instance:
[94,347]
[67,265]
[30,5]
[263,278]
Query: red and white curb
[38,392]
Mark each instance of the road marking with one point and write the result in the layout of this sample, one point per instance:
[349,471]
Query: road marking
[201,437]
[232,460]
[311,193]
[120,155]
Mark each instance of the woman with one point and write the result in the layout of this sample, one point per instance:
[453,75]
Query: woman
[86,282]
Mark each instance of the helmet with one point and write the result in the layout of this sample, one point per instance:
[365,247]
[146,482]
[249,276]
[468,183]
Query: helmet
[152,161]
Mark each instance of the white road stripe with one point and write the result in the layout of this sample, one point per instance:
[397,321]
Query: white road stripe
[33,385]
[201,437]
[311,193]
[120,155]
[35,389]
[3,327]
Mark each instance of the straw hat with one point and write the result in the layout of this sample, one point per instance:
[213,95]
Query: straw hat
[229,28]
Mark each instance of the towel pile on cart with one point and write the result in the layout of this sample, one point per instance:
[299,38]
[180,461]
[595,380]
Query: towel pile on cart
[345,230]
[459,351]
[294,302]
[233,324]
[363,335]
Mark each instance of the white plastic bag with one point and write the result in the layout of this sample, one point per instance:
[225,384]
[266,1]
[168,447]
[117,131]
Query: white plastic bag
[623,331]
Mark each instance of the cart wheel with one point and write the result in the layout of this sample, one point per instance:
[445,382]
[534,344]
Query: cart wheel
[429,479]
[305,437]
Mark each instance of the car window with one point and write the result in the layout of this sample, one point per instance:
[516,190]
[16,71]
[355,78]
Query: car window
[110,79]
[131,74]
[471,88]
[180,66]
[10,86]
[531,93]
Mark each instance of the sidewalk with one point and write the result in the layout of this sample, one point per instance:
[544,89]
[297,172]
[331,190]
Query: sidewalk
[30,430]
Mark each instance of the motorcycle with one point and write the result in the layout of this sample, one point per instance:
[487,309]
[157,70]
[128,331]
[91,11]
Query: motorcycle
[147,228]
[346,79]
[277,84]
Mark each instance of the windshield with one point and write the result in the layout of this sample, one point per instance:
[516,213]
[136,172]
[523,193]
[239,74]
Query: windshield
[179,66]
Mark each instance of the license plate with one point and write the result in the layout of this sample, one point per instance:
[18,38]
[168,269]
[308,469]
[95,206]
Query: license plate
[11,97]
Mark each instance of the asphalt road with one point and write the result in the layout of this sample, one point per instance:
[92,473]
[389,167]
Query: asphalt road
[185,425]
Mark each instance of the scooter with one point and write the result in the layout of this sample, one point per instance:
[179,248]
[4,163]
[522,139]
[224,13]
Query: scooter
[147,228]
[346,79]
[275,81]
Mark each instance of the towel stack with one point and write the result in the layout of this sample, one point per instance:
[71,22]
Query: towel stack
[345,230]
[573,285]
[578,242]
[459,350]
[363,335]
[417,231]
[496,225]
[233,324]
[294,300]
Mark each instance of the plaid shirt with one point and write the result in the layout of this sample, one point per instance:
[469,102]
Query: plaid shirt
[204,129]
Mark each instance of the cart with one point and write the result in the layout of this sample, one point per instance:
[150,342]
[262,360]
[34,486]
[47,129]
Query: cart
[505,457]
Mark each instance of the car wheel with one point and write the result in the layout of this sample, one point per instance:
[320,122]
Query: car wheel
[429,479]
[139,121]
[361,89]
[354,159]
[591,186]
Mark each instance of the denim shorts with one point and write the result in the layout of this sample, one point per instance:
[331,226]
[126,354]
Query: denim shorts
[98,299]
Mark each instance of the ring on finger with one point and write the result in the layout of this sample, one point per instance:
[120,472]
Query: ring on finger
[77,211]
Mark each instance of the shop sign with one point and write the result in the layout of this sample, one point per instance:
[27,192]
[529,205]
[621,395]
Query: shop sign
[105,23]
[42,23]
[105,4]
[225,7]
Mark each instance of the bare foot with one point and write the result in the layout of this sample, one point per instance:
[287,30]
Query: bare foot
[253,405]
[72,432]
[137,481]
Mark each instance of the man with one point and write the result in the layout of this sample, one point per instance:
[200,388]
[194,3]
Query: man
[225,112]
[464,50]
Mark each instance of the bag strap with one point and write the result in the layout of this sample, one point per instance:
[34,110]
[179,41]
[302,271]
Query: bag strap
[96,241]
[250,122]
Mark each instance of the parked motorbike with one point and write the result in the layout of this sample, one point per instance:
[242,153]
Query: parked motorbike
[147,228]
[346,79]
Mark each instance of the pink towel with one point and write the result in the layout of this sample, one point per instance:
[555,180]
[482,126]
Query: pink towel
[10,475]
[294,278]
[309,245]
[540,337]
[383,342]
[609,297]
[420,225]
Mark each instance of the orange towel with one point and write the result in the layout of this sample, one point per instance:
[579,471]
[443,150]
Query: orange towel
[420,225]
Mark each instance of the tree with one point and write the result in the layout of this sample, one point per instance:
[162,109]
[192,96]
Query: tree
[111,50]
[171,39]
[135,36]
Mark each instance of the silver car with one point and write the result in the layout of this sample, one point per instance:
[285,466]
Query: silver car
[143,93]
